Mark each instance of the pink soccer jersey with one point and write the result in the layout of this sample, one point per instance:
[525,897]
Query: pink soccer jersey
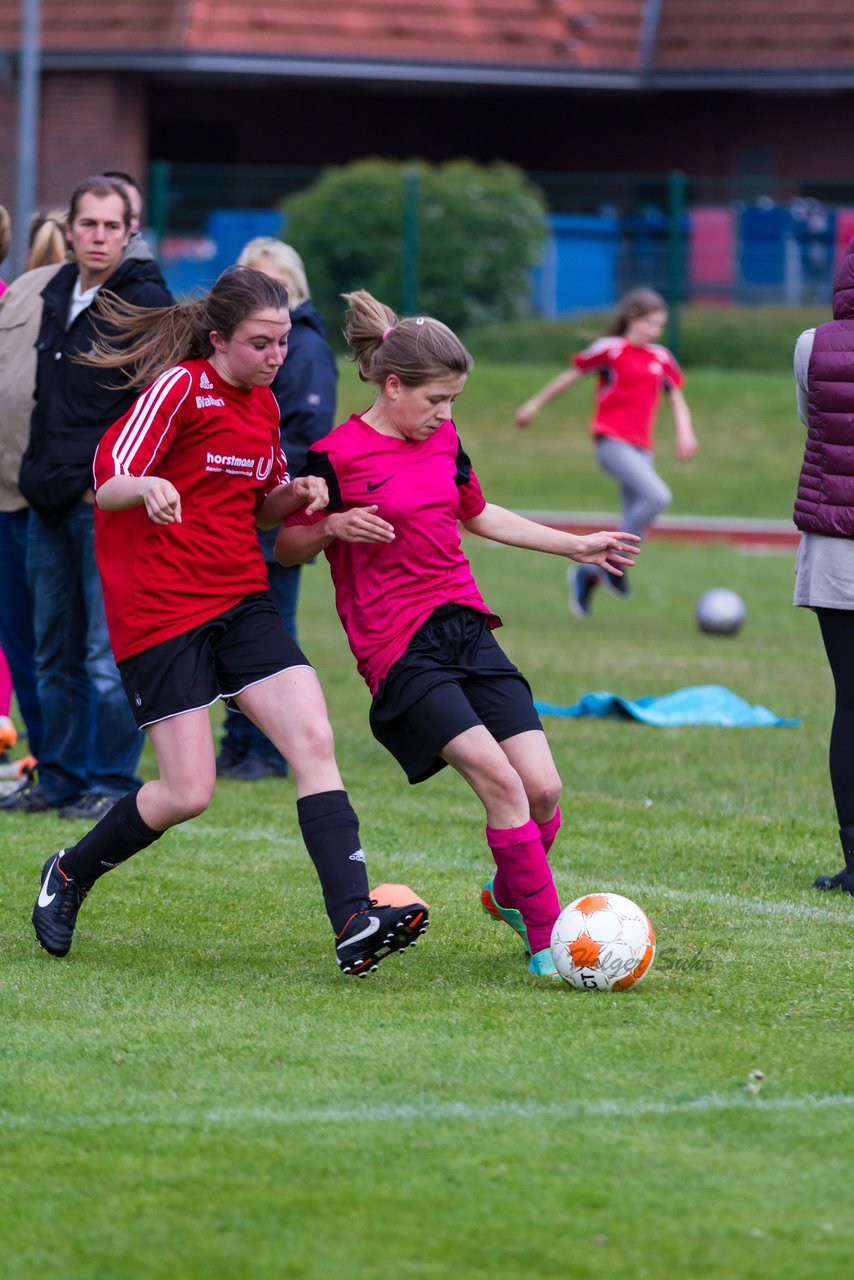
[384,592]
[630,381]
[219,445]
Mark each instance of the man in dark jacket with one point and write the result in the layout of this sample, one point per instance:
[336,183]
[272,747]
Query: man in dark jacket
[90,744]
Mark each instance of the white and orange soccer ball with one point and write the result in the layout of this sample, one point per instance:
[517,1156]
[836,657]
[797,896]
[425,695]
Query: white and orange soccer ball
[603,942]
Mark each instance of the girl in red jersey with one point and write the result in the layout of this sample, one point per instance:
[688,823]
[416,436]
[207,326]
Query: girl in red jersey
[443,690]
[181,481]
[631,368]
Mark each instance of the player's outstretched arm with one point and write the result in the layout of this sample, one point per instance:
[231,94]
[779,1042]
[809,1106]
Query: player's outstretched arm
[525,413]
[160,498]
[611,550]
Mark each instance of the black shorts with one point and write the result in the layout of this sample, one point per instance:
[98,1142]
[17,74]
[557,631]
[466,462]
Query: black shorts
[244,645]
[454,675]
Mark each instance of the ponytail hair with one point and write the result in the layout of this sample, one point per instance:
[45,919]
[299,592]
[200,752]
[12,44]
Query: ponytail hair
[47,244]
[143,341]
[636,304]
[415,350]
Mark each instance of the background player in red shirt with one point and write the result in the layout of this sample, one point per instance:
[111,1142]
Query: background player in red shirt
[180,481]
[443,690]
[631,368]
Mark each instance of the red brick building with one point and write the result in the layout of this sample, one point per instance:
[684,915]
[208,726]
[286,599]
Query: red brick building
[720,87]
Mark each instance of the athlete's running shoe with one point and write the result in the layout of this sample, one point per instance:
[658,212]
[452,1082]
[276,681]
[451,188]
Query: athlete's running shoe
[55,912]
[542,965]
[582,583]
[371,935]
[618,587]
[843,879]
[508,914]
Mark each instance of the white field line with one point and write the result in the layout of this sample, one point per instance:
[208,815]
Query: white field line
[748,904]
[429,1112]
[837,908]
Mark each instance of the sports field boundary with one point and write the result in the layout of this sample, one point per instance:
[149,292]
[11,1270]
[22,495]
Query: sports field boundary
[742,532]
[427,1112]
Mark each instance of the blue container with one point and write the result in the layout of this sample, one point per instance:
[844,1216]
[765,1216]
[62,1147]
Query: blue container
[762,238]
[193,262]
[231,229]
[579,270]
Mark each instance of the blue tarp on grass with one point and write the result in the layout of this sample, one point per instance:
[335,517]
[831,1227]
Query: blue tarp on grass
[701,704]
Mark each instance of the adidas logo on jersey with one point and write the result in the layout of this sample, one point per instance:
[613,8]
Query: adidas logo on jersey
[205,382]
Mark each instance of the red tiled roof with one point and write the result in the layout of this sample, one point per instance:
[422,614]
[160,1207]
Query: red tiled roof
[519,32]
[82,24]
[587,35]
[482,31]
[735,34]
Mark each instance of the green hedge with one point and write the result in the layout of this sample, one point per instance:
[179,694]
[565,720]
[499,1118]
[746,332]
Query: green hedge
[749,338]
[479,231]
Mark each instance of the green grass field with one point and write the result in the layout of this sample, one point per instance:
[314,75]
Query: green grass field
[196,1092]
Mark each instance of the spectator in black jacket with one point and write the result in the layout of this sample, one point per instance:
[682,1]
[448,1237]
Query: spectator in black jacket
[90,744]
[306,389]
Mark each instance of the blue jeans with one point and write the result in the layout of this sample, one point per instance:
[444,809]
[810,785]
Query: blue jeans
[16,622]
[90,741]
[242,739]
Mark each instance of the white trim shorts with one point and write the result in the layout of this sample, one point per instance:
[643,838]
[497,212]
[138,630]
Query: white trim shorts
[220,658]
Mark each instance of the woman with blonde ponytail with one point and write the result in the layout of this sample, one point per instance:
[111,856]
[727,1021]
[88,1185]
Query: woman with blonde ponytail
[181,481]
[443,690]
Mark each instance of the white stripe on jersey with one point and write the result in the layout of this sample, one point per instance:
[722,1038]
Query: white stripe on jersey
[661,352]
[143,414]
[603,344]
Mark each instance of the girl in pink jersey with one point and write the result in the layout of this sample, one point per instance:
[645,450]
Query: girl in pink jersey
[631,368]
[181,481]
[443,691]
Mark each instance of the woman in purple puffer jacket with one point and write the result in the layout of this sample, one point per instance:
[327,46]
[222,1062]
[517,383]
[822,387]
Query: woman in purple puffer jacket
[824,512]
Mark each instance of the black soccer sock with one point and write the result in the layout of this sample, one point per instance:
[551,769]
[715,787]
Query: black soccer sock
[846,839]
[118,836]
[330,830]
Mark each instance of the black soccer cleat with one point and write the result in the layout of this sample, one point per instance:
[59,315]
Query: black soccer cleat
[842,880]
[371,935]
[55,913]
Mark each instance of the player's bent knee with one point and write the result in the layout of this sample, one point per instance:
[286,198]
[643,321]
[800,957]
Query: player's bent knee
[315,742]
[191,801]
[504,785]
[543,800]
[663,500]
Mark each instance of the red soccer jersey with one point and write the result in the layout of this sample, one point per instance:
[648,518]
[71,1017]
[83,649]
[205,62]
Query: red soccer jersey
[383,592]
[630,381]
[219,445]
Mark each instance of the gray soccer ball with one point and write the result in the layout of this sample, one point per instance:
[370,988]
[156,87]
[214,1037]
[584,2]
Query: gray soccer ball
[720,612]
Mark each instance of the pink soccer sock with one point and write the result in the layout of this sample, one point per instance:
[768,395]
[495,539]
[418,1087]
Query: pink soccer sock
[523,879]
[549,830]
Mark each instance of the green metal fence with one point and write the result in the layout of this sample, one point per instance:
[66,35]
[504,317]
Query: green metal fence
[748,238]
